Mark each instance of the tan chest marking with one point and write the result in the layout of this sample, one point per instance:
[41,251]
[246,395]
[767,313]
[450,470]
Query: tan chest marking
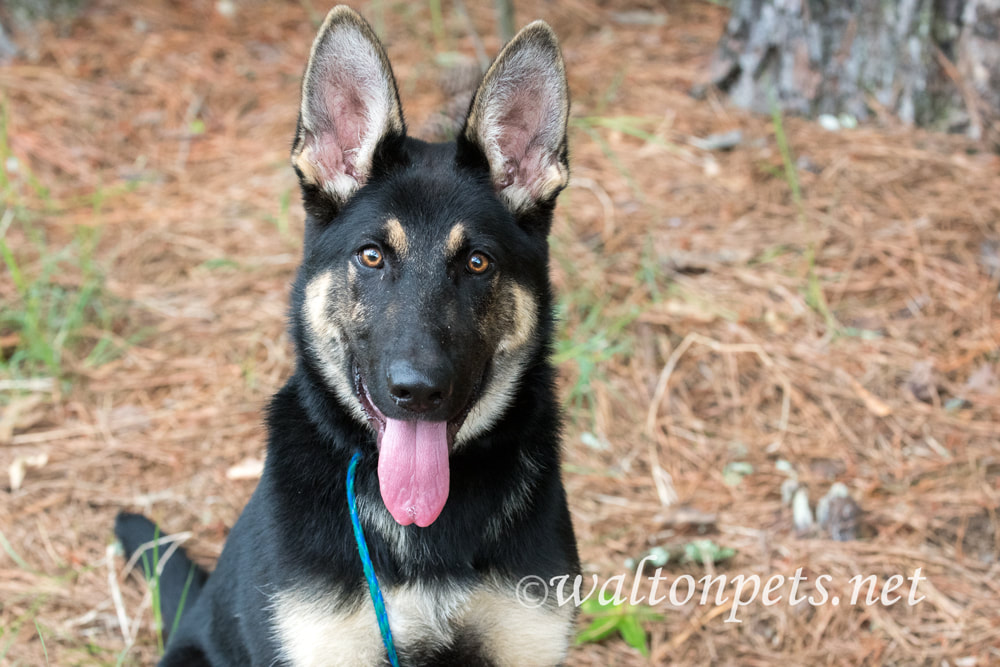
[516,635]
[316,631]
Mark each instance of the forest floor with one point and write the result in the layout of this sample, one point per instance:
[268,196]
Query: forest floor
[808,307]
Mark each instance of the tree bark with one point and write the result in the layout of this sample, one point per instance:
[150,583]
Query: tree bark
[977,53]
[506,26]
[933,63]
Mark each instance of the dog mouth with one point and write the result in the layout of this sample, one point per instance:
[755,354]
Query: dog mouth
[413,465]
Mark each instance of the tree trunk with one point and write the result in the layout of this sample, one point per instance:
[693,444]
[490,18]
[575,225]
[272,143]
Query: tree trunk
[933,63]
[506,26]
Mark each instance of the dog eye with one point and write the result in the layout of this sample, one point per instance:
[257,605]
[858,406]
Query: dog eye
[371,257]
[478,263]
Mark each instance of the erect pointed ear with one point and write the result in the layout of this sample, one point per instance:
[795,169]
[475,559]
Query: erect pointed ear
[518,119]
[349,105]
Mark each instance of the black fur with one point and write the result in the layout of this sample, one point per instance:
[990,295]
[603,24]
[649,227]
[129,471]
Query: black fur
[295,528]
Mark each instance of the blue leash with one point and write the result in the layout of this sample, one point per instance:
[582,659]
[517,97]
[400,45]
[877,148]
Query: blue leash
[366,563]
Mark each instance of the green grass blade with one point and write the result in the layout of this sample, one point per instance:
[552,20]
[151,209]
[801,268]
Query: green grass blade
[633,634]
[184,593]
[7,547]
[599,629]
[12,266]
[814,290]
[45,650]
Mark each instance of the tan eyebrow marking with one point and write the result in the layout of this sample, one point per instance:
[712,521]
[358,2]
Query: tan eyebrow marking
[395,235]
[456,237]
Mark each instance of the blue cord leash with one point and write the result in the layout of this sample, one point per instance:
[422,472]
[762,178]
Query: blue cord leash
[366,563]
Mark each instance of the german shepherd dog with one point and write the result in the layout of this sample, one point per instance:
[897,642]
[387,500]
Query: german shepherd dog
[422,322]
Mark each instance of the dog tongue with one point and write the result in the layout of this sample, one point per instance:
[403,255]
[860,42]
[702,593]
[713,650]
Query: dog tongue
[413,470]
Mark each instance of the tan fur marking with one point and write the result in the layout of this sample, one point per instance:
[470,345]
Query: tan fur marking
[325,336]
[518,197]
[395,236]
[518,322]
[316,629]
[517,635]
[315,632]
[524,316]
[315,305]
[302,158]
[456,237]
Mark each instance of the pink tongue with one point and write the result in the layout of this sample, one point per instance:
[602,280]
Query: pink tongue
[413,470]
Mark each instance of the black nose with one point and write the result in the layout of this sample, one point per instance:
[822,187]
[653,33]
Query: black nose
[417,390]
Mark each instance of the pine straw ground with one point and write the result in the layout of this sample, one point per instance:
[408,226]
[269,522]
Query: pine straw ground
[701,348]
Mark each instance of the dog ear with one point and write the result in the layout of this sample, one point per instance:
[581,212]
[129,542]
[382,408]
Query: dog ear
[350,105]
[518,119]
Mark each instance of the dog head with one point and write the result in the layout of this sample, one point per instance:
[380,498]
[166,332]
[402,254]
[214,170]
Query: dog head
[422,294]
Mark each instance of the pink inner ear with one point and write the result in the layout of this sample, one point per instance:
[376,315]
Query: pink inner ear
[525,138]
[533,168]
[338,142]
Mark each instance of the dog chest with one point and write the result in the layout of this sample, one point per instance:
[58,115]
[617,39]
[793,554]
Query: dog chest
[427,623]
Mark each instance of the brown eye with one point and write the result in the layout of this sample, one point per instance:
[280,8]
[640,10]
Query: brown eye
[371,257]
[478,263]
